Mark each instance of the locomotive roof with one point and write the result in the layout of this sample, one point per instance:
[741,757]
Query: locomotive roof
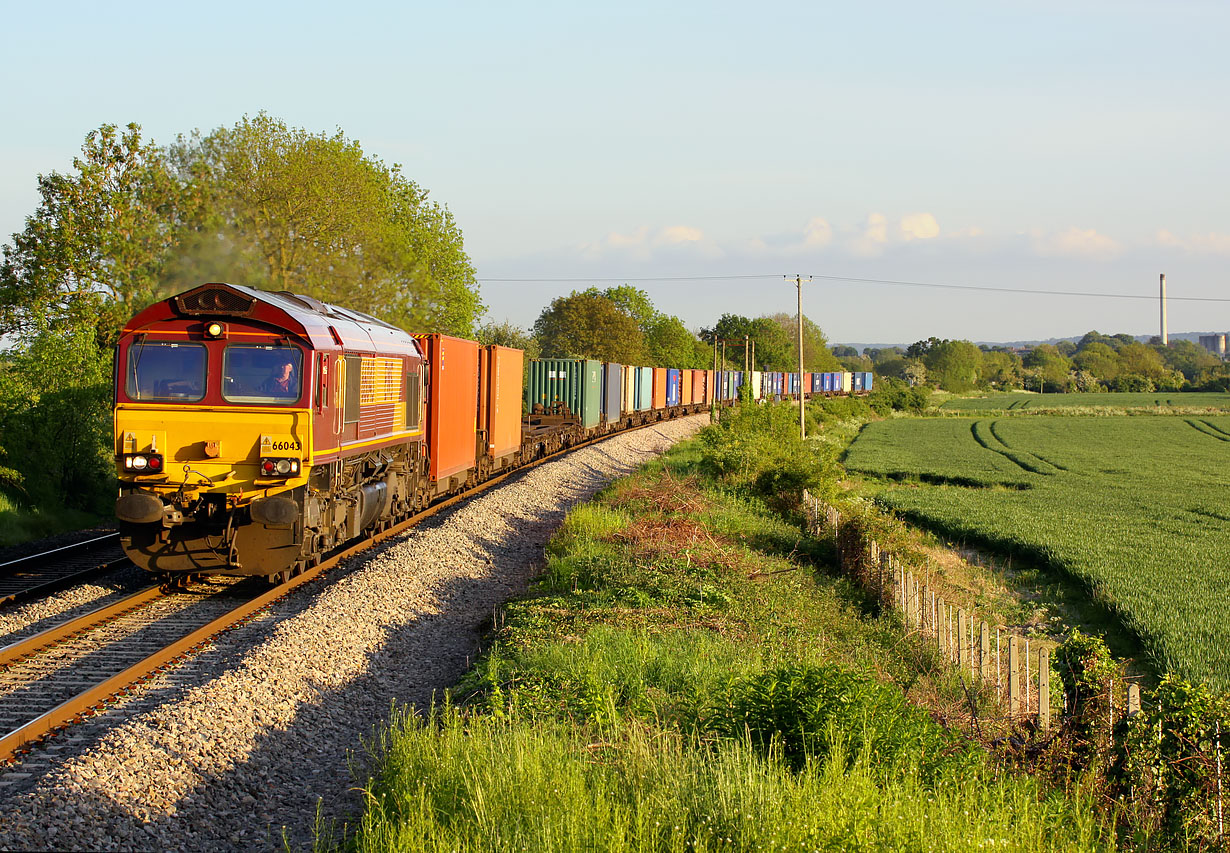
[325,326]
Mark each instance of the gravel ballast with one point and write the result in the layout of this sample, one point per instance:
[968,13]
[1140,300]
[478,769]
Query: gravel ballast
[241,745]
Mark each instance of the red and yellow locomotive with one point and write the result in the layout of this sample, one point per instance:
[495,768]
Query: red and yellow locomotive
[257,430]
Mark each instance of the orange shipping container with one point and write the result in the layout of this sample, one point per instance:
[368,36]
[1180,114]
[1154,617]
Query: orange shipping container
[685,391]
[452,403]
[698,386]
[499,398]
[659,387]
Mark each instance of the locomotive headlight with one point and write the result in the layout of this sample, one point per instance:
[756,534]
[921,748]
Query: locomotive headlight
[278,467]
[214,331]
[142,463]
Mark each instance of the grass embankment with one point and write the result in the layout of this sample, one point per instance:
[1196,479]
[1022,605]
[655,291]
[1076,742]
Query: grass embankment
[685,675]
[19,525]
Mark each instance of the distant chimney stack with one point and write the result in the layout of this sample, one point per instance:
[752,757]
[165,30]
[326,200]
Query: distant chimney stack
[1165,337]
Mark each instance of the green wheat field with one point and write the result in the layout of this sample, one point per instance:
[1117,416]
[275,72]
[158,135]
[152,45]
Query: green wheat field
[1134,507]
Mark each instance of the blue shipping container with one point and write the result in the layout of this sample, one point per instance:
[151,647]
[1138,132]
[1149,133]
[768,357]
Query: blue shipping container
[674,380]
[867,381]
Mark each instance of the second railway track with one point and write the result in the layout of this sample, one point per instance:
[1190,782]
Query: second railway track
[49,571]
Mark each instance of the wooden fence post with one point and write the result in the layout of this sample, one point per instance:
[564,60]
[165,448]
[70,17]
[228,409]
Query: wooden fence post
[940,610]
[984,657]
[1044,690]
[1014,677]
[1133,700]
[962,640]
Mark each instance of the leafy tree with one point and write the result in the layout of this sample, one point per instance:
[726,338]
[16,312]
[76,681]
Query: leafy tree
[94,250]
[1094,337]
[507,334]
[55,406]
[671,344]
[816,354]
[915,371]
[314,214]
[1099,359]
[843,351]
[919,349]
[953,365]
[588,325]
[1001,369]
[893,366]
[732,328]
[1188,358]
[1050,367]
[1141,360]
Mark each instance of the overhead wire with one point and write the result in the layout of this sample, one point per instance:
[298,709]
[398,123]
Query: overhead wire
[854,280]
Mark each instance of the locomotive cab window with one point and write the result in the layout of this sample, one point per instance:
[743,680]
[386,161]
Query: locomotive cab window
[165,371]
[262,374]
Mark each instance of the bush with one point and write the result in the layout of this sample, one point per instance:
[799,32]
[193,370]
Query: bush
[55,407]
[894,395]
[815,711]
[759,448]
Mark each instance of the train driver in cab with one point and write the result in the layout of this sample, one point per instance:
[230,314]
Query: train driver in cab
[281,383]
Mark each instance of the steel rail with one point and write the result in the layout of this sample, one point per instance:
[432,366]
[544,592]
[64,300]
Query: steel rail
[84,545]
[41,579]
[94,700]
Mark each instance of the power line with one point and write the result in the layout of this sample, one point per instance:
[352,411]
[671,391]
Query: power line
[1018,289]
[854,280]
[626,279]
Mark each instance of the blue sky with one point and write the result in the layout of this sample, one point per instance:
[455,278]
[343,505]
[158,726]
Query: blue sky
[1070,146]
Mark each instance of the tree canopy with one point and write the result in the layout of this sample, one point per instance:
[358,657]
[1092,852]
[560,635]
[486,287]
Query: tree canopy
[260,204]
[589,325]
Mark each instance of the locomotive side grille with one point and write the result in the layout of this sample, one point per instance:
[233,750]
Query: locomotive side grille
[214,300]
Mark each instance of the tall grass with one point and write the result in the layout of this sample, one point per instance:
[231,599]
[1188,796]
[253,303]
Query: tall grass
[460,782]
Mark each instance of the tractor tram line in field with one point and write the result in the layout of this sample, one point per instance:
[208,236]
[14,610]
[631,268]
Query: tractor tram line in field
[43,573]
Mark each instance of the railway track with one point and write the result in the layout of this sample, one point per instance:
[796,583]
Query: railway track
[72,671]
[49,571]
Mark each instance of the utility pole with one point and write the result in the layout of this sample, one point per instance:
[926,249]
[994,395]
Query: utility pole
[798,281]
[713,390]
[1165,335]
[746,354]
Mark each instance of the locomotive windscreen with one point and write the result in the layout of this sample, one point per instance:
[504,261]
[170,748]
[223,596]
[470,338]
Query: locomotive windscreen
[261,374]
[172,372]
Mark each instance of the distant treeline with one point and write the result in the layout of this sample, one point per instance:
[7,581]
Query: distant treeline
[620,324]
[1095,363]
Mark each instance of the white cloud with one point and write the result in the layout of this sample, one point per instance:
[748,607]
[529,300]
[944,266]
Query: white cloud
[1084,242]
[1205,244]
[640,243]
[919,226]
[876,229]
[679,234]
[817,232]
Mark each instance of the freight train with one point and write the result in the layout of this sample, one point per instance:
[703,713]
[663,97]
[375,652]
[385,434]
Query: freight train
[256,431]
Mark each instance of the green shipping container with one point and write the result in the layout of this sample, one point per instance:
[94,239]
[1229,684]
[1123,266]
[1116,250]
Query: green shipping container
[577,383]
